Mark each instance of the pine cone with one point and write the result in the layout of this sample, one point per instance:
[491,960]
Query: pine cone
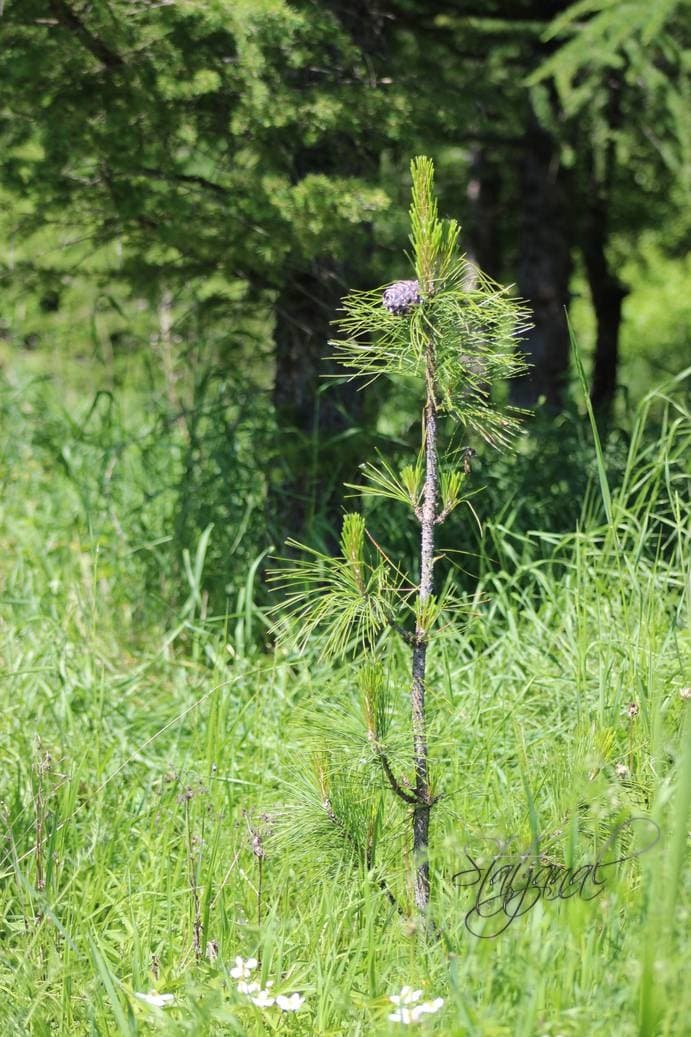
[401,296]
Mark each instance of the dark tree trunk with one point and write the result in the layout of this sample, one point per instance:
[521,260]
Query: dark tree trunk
[314,415]
[544,270]
[484,200]
[311,412]
[607,294]
[606,290]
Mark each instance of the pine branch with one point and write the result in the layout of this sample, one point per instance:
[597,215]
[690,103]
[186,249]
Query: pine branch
[183,178]
[69,19]
[336,821]
[397,787]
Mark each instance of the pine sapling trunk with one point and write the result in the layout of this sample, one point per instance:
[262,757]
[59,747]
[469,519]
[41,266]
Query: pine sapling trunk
[421,812]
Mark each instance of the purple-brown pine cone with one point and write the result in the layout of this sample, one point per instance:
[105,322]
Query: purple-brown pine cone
[401,296]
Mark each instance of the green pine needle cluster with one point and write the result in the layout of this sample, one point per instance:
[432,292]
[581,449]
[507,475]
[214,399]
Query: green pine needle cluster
[350,598]
[474,323]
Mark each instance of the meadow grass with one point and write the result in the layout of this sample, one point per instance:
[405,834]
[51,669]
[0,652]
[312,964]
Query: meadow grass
[144,748]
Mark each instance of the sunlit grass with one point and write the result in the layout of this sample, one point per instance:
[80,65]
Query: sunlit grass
[142,756]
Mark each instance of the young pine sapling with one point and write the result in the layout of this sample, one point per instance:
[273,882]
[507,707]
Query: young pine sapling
[454,335]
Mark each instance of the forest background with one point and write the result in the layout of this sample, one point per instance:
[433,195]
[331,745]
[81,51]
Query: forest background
[188,188]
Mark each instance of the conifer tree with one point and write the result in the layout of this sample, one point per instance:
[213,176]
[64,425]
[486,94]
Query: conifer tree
[454,338]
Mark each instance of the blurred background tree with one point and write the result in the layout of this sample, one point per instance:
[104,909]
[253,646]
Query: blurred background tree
[193,186]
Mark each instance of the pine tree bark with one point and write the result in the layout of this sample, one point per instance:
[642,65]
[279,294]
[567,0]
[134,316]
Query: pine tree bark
[428,518]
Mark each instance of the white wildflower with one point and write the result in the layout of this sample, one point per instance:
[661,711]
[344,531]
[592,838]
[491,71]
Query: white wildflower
[407,996]
[408,1011]
[263,999]
[247,988]
[402,1015]
[243,968]
[291,1003]
[157,1000]
[427,1008]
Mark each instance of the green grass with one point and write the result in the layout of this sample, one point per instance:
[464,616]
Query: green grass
[143,737]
